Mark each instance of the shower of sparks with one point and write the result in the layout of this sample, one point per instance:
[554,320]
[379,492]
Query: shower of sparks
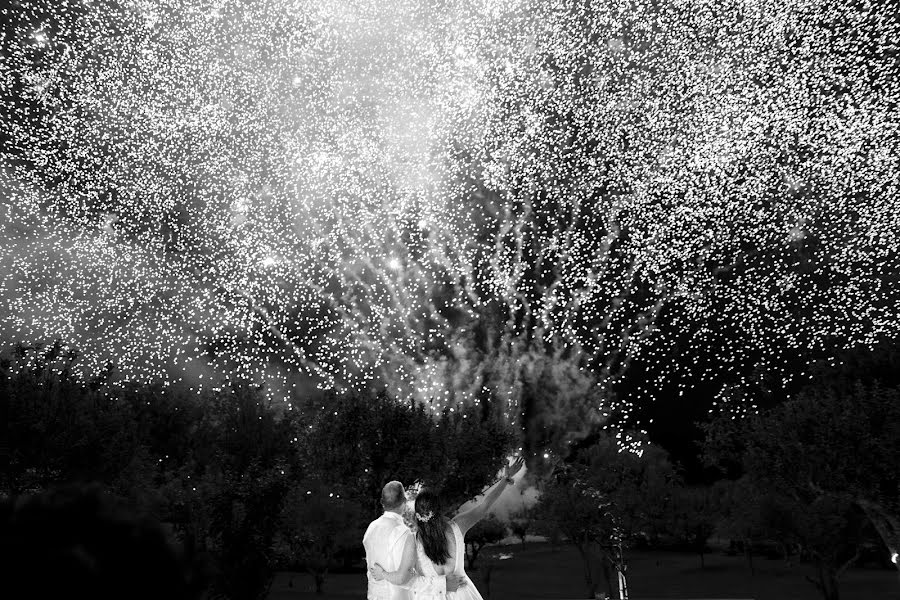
[448,196]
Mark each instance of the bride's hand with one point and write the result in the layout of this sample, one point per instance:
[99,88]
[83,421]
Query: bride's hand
[377,572]
[514,468]
[454,582]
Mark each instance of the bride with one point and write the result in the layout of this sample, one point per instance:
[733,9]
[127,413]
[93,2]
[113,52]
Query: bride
[440,542]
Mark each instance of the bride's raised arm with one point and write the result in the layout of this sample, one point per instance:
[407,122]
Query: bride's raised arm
[466,520]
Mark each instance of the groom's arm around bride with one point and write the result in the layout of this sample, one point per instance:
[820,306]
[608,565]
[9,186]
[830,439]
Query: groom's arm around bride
[390,543]
[406,577]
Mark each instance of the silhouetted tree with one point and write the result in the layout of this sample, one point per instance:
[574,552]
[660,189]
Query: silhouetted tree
[827,455]
[521,523]
[78,540]
[317,524]
[487,531]
[603,497]
[695,515]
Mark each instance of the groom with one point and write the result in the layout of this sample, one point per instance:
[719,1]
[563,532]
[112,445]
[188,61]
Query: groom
[385,541]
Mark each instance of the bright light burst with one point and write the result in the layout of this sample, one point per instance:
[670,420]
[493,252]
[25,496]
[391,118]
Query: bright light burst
[448,197]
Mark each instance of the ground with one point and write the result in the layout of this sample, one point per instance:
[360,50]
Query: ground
[540,571]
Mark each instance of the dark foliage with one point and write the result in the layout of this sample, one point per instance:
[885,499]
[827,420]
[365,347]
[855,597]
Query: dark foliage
[215,467]
[487,531]
[92,545]
[818,470]
[364,442]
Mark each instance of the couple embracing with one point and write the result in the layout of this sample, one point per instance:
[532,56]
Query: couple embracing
[427,564]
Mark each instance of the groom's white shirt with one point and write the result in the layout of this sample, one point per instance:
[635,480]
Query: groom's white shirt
[384,541]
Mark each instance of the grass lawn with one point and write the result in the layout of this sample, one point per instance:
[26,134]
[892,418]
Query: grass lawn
[540,571]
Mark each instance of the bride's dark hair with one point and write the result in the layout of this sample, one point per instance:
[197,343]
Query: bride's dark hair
[432,527]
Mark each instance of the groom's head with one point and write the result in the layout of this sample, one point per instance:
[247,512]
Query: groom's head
[393,496]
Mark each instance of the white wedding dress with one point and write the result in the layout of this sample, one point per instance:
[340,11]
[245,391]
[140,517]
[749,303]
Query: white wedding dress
[427,568]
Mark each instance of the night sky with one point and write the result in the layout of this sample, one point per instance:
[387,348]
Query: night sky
[643,203]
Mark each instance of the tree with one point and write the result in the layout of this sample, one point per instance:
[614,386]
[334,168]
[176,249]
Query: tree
[487,531]
[570,510]
[695,515]
[244,511]
[750,515]
[476,443]
[879,368]
[363,441]
[237,495]
[521,523]
[826,455]
[317,523]
[832,529]
[604,497]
